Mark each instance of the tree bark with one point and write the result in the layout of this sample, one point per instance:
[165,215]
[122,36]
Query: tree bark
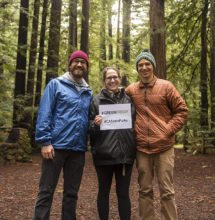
[118,32]
[54,40]
[41,54]
[102,60]
[204,73]
[72,26]
[85,29]
[212,63]
[85,26]
[19,91]
[39,70]
[110,46]
[126,30]
[157,36]
[31,69]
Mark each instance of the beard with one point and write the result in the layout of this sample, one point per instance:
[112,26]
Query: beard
[78,72]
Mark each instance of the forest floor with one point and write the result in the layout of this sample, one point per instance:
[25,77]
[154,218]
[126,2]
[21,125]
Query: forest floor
[194,186]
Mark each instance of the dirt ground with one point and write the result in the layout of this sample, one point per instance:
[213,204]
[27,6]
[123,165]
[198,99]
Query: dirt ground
[194,185]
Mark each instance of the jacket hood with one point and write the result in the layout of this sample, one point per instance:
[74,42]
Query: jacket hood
[68,79]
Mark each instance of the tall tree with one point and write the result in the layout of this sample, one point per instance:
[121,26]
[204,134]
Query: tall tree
[118,31]
[110,26]
[19,90]
[41,54]
[54,40]
[85,26]
[102,39]
[40,68]
[32,66]
[212,63]
[126,30]
[72,25]
[157,36]
[204,72]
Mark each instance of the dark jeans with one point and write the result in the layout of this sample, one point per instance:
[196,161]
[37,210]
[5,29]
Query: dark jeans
[105,174]
[72,163]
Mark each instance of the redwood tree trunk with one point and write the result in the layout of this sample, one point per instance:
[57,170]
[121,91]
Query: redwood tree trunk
[39,70]
[118,31]
[110,46]
[54,40]
[41,54]
[212,63]
[85,26]
[19,91]
[72,26]
[157,36]
[32,67]
[204,73]
[102,60]
[126,30]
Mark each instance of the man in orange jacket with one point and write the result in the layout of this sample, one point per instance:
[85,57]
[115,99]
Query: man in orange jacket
[160,113]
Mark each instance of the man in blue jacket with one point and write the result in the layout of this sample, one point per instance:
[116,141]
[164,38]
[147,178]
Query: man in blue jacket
[61,129]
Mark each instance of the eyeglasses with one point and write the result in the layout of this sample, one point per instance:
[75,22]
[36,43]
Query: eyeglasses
[79,61]
[112,77]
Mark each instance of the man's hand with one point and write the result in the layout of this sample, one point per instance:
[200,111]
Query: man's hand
[48,152]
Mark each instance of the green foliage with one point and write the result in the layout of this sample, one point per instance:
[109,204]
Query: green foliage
[183,48]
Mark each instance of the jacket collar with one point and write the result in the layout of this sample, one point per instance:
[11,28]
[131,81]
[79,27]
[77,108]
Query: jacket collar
[151,84]
[65,81]
[106,93]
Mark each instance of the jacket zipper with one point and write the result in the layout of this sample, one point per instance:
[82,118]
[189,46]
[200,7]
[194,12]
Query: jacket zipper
[146,105]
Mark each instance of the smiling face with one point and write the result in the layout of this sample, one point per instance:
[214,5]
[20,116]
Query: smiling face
[145,70]
[78,68]
[112,80]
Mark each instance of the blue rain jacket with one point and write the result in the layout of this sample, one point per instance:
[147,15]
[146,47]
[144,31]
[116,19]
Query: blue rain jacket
[63,116]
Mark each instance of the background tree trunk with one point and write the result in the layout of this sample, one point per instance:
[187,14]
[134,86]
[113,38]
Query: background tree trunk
[126,30]
[41,54]
[204,71]
[157,36]
[39,71]
[118,32]
[19,91]
[54,40]
[72,26]
[85,28]
[103,57]
[110,45]
[32,67]
[212,63]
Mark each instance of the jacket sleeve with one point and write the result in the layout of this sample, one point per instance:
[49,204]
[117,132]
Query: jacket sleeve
[45,115]
[179,109]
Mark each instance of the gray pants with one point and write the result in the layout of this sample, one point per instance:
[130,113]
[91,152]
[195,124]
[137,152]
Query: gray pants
[72,163]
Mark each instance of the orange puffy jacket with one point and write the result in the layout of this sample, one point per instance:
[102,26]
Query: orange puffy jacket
[160,113]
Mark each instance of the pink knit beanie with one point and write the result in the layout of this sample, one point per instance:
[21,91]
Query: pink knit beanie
[78,54]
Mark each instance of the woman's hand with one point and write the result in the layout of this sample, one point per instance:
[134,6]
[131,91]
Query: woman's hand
[98,120]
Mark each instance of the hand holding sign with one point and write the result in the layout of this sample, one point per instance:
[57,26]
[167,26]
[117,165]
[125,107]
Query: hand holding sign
[98,120]
[115,116]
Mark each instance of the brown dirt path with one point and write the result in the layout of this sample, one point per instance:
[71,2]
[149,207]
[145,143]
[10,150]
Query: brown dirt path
[194,185]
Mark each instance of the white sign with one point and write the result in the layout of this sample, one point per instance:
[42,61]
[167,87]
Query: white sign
[115,116]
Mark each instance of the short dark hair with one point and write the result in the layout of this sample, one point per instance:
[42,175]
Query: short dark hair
[109,68]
